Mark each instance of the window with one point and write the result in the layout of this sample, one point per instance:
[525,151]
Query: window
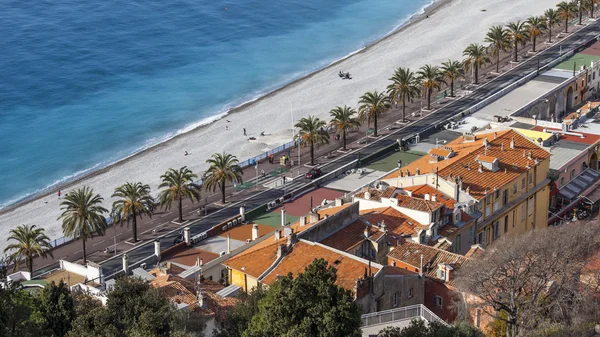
[589,78]
[594,75]
[562,181]
[530,177]
[530,206]
[438,301]
[572,174]
[442,274]
[471,234]
[457,217]
[506,224]
[496,205]
[480,239]
[515,188]
[523,212]
[505,196]
[496,230]
[514,217]
[488,210]
[410,293]
[457,244]
[497,194]
[523,183]
[396,299]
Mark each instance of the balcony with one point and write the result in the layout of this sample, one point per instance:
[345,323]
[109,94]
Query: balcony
[372,323]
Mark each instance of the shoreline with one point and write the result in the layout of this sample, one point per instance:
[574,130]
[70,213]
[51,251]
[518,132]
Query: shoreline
[423,13]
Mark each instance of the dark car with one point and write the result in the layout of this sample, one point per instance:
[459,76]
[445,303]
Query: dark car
[313,173]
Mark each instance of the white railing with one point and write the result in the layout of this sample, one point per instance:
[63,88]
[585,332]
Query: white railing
[400,314]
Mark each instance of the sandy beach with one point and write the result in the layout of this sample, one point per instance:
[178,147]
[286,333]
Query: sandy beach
[448,29]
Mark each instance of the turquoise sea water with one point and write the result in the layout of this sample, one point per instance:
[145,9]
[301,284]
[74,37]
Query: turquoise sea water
[85,83]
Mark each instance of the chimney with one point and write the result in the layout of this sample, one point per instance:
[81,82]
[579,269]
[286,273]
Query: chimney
[433,197]
[302,221]
[243,213]
[228,243]
[480,168]
[339,202]
[254,232]
[186,236]
[201,298]
[283,219]
[279,251]
[157,248]
[512,143]
[457,186]
[421,267]
[485,143]
[291,239]
[366,232]
[367,195]
[502,147]
[277,235]
[409,193]
[199,261]
[427,196]
[314,217]
[125,264]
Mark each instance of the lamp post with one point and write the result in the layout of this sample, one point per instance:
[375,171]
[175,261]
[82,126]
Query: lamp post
[205,193]
[256,168]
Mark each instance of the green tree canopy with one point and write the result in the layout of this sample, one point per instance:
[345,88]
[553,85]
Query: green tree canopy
[309,305]
[56,308]
[419,328]
[240,316]
[30,242]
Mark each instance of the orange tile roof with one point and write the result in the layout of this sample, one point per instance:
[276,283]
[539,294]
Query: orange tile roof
[419,191]
[376,194]
[588,138]
[332,210]
[447,230]
[257,259]
[244,232]
[417,204]
[410,253]
[351,236]
[190,256]
[302,254]
[440,151]
[398,223]
[486,159]
[475,251]
[512,163]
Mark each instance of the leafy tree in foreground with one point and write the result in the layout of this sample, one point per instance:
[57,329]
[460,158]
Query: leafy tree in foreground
[310,305]
[419,328]
[56,308]
[538,281]
[31,241]
[17,313]
[240,316]
[82,215]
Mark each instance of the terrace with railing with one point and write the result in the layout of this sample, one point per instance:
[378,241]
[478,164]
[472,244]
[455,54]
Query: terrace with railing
[397,317]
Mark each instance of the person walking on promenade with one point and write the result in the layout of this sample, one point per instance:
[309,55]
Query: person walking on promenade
[245,132]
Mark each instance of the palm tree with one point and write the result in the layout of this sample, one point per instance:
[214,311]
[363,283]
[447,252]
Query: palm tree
[476,57]
[372,104]
[82,215]
[134,200]
[536,26]
[451,70]
[590,4]
[405,87]
[223,168]
[31,241]
[566,11]
[582,6]
[498,37]
[178,184]
[552,18]
[519,34]
[311,132]
[432,78]
[344,120]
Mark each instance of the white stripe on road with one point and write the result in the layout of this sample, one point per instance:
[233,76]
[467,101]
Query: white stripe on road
[97,243]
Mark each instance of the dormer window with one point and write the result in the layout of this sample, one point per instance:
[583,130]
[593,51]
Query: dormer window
[489,163]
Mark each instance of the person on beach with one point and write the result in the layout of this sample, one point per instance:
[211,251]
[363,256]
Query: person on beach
[186,153]
[226,127]
[59,194]
[245,132]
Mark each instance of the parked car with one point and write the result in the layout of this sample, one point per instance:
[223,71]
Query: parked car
[313,173]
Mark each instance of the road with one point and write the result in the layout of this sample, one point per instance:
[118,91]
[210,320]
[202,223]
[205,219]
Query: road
[525,68]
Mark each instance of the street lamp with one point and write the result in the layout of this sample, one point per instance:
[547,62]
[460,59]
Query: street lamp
[205,193]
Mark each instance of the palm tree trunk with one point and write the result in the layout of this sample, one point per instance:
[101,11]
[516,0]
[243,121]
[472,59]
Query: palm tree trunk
[549,33]
[223,192]
[516,54]
[534,40]
[498,61]
[428,98]
[344,135]
[592,10]
[580,14]
[374,124]
[134,229]
[84,253]
[312,153]
[180,209]
[476,71]
[452,87]
[404,109]
[29,262]
[566,25]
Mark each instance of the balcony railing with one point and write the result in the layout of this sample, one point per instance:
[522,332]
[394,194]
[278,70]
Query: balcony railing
[418,311]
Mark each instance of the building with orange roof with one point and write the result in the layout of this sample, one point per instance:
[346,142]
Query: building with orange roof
[498,180]
[438,267]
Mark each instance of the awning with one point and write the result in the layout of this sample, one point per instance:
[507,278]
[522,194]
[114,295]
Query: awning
[593,196]
[564,213]
[576,186]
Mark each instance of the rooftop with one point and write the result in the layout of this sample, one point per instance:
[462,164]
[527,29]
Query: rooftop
[405,201]
[513,161]
[303,253]
[68,278]
[352,235]
[398,224]
[244,232]
[419,191]
[410,253]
